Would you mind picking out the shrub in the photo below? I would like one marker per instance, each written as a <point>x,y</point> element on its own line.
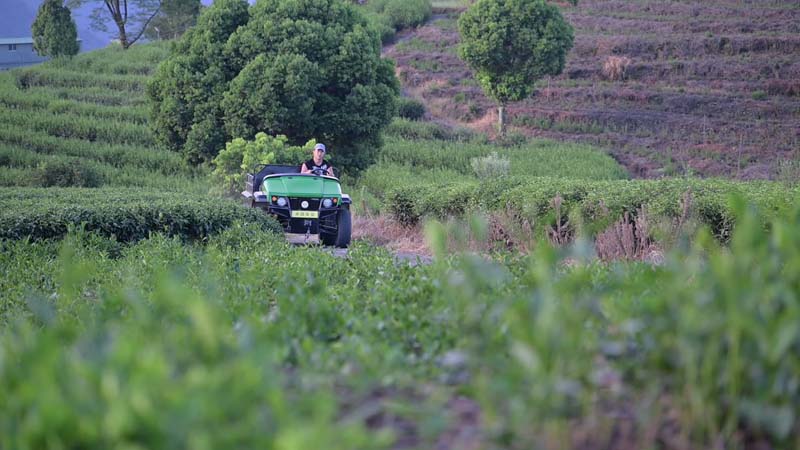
<point>316,71</point>
<point>54,32</point>
<point>759,95</point>
<point>407,13</point>
<point>596,205</point>
<point>418,130</point>
<point>381,25</point>
<point>491,166</point>
<point>67,173</point>
<point>411,109</point>
<point>615,68</point>
<point>128,215</point>
<point>241,156</point>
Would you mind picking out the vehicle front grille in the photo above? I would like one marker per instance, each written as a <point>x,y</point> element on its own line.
<point>313,203</point>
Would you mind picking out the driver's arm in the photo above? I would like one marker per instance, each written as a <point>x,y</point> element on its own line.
<point>330,171</point>
<point>304,169</point>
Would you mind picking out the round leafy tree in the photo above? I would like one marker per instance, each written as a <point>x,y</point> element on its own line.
<point>306,69</point>
<point>53,30</point>
<point>510,44</point>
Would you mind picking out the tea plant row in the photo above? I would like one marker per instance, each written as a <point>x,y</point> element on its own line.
<point>83,122</point>
<point>590,205</point>
<point>125,214</point>
<point>251,342</point>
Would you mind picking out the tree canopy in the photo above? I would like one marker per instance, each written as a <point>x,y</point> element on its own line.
<point>130,17</point>
<point>53,30</point>
<point>306,69</point>
<point>173,19</point>
<point>510,44</point>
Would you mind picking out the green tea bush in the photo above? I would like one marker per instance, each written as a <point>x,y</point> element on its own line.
<point>381,25</point>
<point>596,204</point>
<point>128,215</point>
<point>416,130</point>
<point>411,109</point>
<point>254,335</point>
<point>722,338</point>
<point>535,159</point>
<point>79,127</point>
<point>60,173</point>
<point>407,13</point>
<point>401,14</point>
<point>59,77</point>
<point>490,166</point>
<point>116,155</point>
<point>89,111</point>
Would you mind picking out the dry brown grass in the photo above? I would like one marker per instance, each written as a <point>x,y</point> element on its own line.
<point>615,68</point>
<point>386,232</point>
<point>627,239</point>
<point>562,233</point>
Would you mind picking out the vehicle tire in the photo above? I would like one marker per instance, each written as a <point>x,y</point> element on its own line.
<point>344,226</point>
<point>327,239</point>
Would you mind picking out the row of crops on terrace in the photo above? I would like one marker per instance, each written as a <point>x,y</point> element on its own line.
<point>84,122</point>
<point>425,172</point>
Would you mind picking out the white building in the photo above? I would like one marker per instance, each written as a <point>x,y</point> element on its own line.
<point>18,52</point>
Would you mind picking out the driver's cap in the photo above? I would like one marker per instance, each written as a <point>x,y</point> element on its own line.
<point>320,147</point>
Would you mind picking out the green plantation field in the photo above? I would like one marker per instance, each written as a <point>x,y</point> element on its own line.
<point>84,122</point>
<point>139,308</point>
<point>125,215</point>
<point>244,341</point>
<point>427,172</point>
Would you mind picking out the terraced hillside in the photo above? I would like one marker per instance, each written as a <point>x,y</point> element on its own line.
<point>83,122</point>
<point>670,87</point>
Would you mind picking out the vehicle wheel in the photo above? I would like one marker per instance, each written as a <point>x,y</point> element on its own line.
<point>327,239</point>
<point>344,225</point>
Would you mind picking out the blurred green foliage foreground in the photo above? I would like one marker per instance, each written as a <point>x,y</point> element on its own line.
<point>242,341</point>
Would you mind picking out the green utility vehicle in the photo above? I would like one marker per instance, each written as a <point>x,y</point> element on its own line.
<point>306,204</point>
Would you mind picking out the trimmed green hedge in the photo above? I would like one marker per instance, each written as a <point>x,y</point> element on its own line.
<point>594,204</point>
<point>126,214</point>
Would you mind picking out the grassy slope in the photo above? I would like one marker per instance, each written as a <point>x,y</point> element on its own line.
<point>89,112</point>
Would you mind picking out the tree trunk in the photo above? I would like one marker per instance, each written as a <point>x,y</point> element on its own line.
<point>123,36</point>
<point>501,120</point>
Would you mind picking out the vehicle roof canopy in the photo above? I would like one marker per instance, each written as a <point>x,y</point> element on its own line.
<point>273,169</point>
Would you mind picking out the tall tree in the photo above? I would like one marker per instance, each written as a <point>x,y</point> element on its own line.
<point>510,44</point>
<point>53,30</point>
<point>173,19</point>
<point>131,17</point>
<point>300,68</point>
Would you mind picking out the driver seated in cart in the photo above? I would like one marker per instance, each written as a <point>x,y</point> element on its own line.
<point>317,165</point>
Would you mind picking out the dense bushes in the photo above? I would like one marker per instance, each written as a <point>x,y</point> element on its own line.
<point>539,158</point>
<point>594,205</point>
<point>412,129</point>
<point>67,173</point>
<point>84,121</point>
<point>390,16</point>
<point>128,215</point>
<point>411,109</point>
<point>245,341</point>
<point>314,72</point>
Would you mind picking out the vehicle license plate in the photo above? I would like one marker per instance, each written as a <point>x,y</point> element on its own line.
<point>305,214</point>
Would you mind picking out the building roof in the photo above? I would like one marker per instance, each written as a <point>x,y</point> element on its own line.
<point>19,40</point>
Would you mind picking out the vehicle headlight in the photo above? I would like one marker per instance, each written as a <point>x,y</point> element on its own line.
<point>327,203</point>
<point>281,201</point>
